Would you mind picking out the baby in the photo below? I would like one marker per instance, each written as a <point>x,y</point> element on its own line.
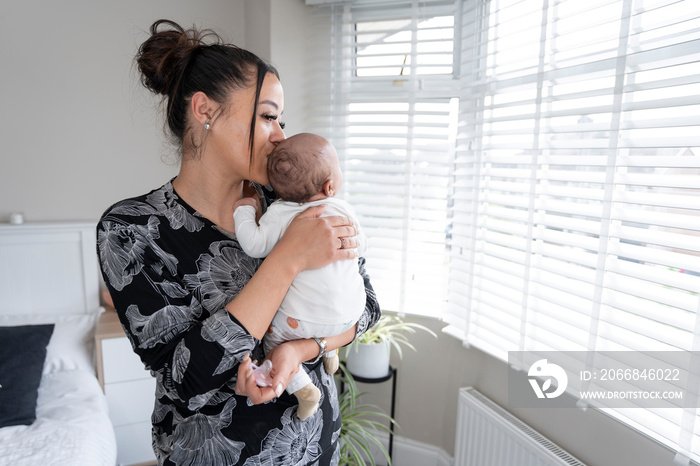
<point>304,171</point>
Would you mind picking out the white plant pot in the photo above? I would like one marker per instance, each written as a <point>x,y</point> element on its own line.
<point>370,361</point>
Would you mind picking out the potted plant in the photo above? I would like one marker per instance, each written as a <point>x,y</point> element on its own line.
<point>368,356</point>
<point>360,425</point>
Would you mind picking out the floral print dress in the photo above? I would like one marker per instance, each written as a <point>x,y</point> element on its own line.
<point>170,273</point>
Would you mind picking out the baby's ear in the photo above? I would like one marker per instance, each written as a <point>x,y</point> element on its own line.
<point>328,188</point>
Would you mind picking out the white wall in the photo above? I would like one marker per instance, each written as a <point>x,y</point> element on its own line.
<point>280,36</point>
<point>290,36</point>
<point>77,130</point>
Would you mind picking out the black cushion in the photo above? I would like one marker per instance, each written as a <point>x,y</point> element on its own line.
<point>22,354</point>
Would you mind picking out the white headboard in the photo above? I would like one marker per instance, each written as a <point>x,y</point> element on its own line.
<point>48,268</point>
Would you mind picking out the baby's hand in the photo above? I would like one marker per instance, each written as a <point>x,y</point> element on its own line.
<point>251,201</point>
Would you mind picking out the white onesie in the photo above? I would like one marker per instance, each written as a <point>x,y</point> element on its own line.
<point>319,303</point>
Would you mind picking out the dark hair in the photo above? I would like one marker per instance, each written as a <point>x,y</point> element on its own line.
<point>296,178</point>
<point>176,63</point>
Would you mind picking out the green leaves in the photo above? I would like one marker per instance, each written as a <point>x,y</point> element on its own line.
<point>360,425</point>
<point>361,422</point>
<point>392,329</point>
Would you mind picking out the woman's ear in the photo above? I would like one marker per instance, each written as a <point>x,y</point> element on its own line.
<point>202,108</point>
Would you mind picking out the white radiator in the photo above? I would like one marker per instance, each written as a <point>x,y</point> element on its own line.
<point>488,435</point>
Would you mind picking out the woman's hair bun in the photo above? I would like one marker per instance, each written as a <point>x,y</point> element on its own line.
<point>163,57</point>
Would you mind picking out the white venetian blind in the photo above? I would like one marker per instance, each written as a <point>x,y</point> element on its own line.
<point>577,183</point>
<point>388,104</point>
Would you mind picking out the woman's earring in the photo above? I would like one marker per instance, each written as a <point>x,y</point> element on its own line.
<point>207,126</point>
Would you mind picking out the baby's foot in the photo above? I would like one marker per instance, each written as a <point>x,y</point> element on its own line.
<point>331,362</point>
<point>308,398</point>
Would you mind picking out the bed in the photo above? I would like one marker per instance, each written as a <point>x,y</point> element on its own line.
<point>52,408</point>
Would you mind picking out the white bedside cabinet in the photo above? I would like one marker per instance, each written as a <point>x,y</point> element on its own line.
<point>130,391</point>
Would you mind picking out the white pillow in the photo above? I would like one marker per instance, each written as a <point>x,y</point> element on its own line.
<point>72,345</point>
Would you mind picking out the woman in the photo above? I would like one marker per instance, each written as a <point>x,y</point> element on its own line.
<point>193,305</point>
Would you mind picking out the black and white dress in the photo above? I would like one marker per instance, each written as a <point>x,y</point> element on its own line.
<point>170,273</point>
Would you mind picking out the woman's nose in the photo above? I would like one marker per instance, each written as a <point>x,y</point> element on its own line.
<point>277,135</point>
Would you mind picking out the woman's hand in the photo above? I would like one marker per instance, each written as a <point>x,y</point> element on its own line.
<point>285,359</point>
<point>312,241</point>
<point>247,386</point>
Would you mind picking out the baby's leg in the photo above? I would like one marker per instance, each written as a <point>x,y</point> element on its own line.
<point>331,362</point>
<point>308,395</point>
<point>301,386</point>
<point>308,398</point>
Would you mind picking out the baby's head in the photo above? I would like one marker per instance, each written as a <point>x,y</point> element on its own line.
<point>304,168</point>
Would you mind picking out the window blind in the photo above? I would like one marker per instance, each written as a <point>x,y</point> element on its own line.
<point>533,164</point>
<point>576,198</point>
<point>388,103</point>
